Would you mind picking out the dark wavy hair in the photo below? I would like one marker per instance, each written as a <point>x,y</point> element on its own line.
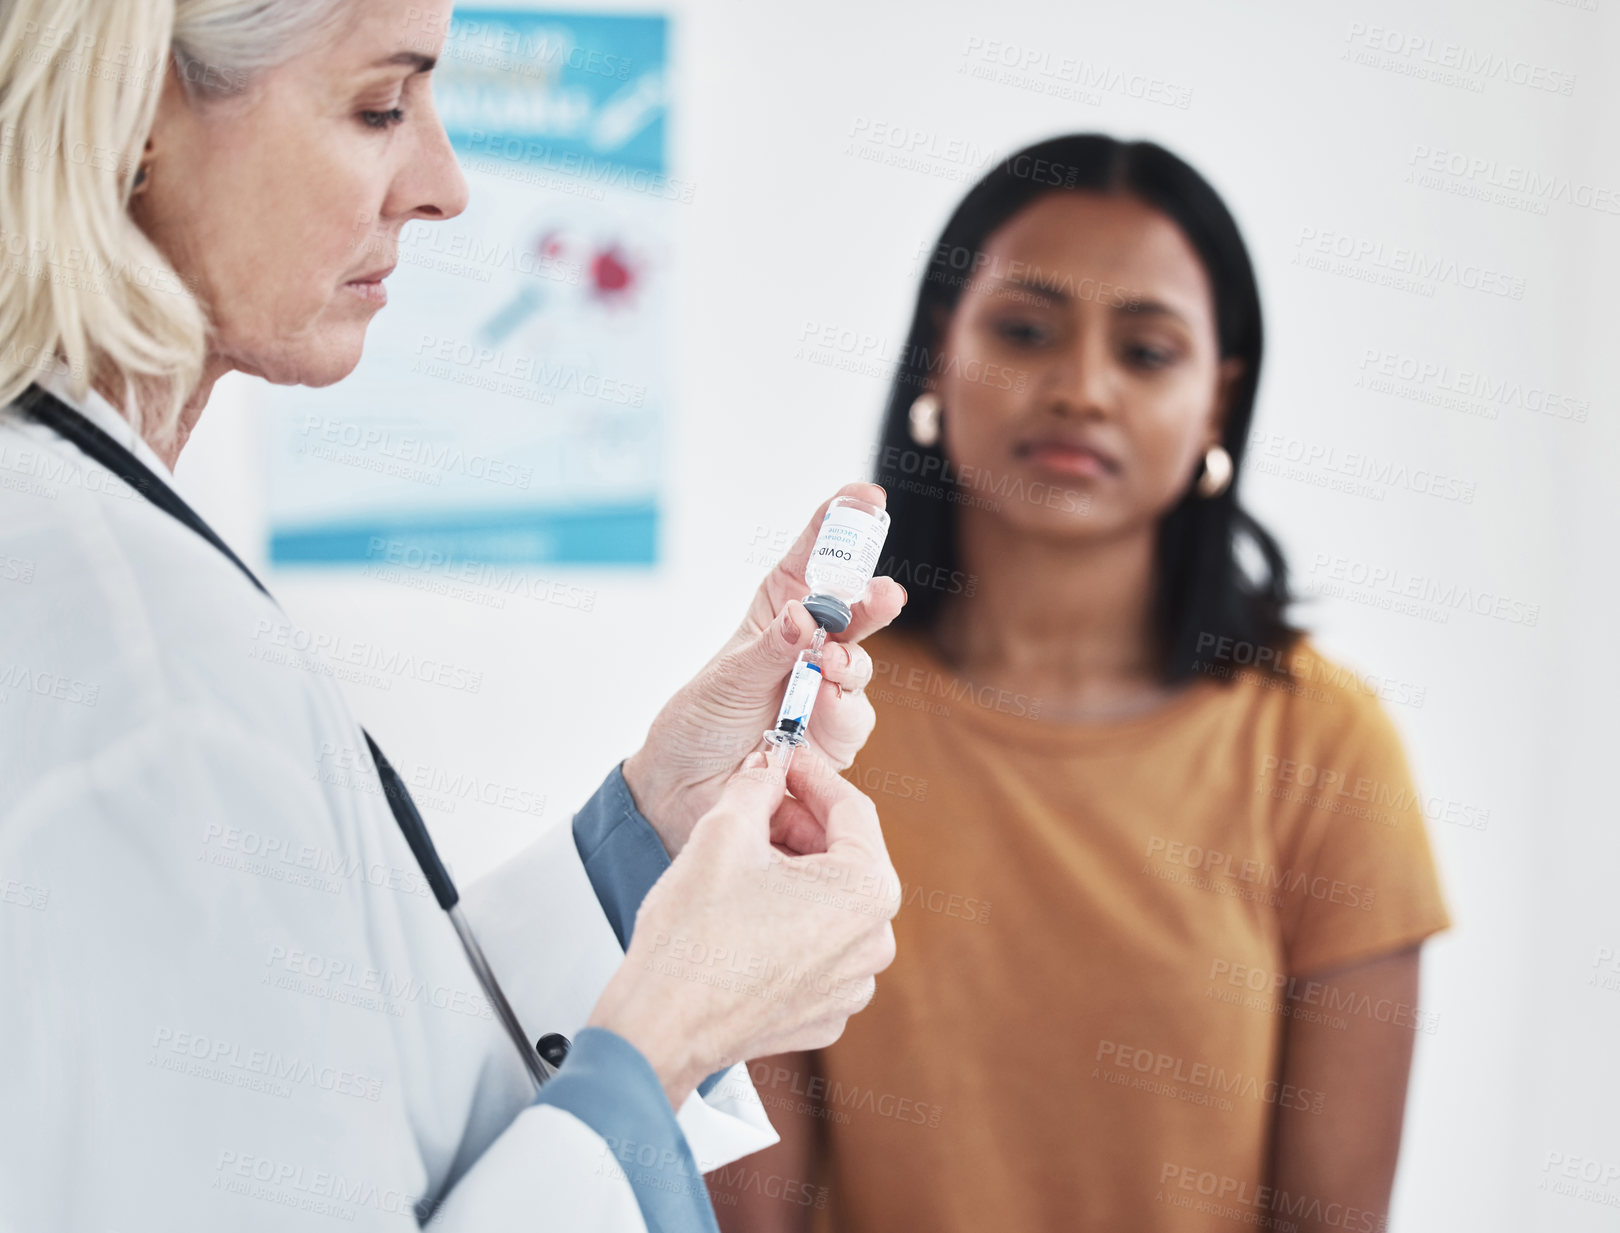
<point>1205,590</point>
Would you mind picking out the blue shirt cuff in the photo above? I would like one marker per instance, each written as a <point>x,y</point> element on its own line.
<point>623,856</point>
<point>607,1084</point>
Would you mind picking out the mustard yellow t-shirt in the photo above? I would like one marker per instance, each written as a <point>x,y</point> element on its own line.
<point>1099,925</point>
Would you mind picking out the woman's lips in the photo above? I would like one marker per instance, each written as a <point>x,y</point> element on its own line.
<point>1072,460</point>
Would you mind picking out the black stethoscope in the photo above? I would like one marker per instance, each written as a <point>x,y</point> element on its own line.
<point>542,1059</point>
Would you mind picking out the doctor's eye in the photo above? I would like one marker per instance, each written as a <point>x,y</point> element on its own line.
<point>383,119</point>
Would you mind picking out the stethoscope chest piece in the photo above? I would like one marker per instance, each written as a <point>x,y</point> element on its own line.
<point>553,1049</point>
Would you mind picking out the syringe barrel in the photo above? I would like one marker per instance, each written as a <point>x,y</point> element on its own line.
<point>799,699</point>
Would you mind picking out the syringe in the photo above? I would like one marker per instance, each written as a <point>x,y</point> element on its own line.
<point>841,563</point>
<point>793,719</point>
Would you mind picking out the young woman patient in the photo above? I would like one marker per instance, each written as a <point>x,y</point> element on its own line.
<point>1165,873</point>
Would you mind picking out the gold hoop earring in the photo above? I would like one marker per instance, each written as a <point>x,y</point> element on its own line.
<point>924,419</point>
<point>1217,474</point>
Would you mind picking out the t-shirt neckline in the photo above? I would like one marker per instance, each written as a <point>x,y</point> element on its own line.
<point>1024,728</point>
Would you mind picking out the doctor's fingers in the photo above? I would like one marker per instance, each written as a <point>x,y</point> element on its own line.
<point>882,602</point>
<point>874,952</point>
<point>846,665</point>
<point>813,1013</point>
<point>842,726</point>
<point>747,802</point>
<point>826,1028</point>
<point>845,812</point>
<point>797,830</point>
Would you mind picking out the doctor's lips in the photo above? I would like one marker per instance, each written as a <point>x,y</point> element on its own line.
<point>1068,454</point>
<point>369,286</point>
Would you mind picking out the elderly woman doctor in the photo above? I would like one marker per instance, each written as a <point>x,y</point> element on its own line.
<point>195,186</point>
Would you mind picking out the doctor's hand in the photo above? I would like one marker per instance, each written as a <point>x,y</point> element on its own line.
<point>740,950</point>
<point>704,730</point>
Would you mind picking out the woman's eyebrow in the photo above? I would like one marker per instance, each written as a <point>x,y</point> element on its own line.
<point>1150,308</point>
<point>1020,286</point>
<point>1060,292</point>
<point>423,63</point>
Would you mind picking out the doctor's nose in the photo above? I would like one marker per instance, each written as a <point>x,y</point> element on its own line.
<point>432,185</point>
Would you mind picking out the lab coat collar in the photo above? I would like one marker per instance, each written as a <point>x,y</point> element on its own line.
<point>104,416</point>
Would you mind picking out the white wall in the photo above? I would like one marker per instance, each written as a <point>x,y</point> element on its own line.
<point>798,219</point>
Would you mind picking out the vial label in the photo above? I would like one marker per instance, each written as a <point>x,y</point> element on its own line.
<point>846,553</point>
<point>802,688</point>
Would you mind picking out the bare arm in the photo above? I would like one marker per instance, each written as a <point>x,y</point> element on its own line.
<point>774,1191</point>
<point>1333,1169</point>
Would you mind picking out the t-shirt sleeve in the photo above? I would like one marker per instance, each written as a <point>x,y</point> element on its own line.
<point>1359,874</point>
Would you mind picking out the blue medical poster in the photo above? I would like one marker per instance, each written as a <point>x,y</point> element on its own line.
<point>510,402</point>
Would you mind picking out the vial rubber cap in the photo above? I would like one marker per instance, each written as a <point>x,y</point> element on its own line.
<point>831,613</point>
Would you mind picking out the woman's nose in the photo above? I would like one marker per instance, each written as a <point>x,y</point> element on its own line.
<point>1080,383</point>
<point>448,191</point>
<point>432,185</point>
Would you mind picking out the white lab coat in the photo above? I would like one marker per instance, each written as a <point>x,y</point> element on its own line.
<point>227,999</point>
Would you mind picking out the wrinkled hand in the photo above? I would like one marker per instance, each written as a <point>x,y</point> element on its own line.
<point>741,951</point>
<point>704,731</point>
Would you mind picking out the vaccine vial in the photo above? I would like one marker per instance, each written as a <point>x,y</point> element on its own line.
<point>843,560</point>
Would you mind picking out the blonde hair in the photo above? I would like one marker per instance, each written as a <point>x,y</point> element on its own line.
<point>80,283</point>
